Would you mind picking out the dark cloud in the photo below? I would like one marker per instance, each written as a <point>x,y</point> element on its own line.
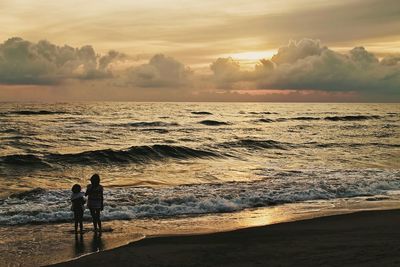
<point>306,65</point>
<point>24,62</point>
<point>161,71</point>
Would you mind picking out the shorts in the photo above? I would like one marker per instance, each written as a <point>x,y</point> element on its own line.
<point>78,215</point>
<point>94,203</point>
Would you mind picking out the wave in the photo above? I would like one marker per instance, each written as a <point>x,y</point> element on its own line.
<point>305,118</point>
<point>36,112</point>
<point>263,112</point>
<point>29,194</point>
<point>135,154</point>
<point>386,145</point>
<point>352,118</point>
<point>156,130</point>
<point>25,160</point>
<point>44,206</point>
<point>9,131</point>
<point>201,113</point>
<point>256,144</point>
<point>266,120</point>
<point>152,124</point>
<point>213,122</point>
<point>330,118</point>
<point>353,145</point>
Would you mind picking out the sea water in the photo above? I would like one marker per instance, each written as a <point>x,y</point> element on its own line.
<point>165,161</point>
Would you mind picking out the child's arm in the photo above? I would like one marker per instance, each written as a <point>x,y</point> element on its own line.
<point>87,190</point>
<point>102,198</point>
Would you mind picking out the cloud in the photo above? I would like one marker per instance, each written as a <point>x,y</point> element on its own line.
<point>306,65</point>
<point>161,71</point>
<point>303,65</point>
<point>109,58</point>
<point>226,71</point>
<point>391,60</point>
<point>298,50</point>
<point>24,62</point>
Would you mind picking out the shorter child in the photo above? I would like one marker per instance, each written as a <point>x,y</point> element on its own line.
<point>78,202</point>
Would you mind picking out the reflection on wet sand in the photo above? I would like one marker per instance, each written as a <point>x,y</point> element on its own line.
<point>79,245</point>
<point>96,244</point>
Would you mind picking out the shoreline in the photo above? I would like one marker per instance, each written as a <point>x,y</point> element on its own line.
<point>368,238</point>
<point>39,245</point>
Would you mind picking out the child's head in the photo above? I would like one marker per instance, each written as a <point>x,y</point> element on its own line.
<point>95,179</point>
<point>76,188</point>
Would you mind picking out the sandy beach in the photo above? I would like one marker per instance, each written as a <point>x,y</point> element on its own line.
<point>369,238</point>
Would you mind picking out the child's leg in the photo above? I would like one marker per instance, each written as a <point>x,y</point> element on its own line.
<point>98,220</point>
<point>93,214</point>
<point>81,221</point>
<point>76,221</point>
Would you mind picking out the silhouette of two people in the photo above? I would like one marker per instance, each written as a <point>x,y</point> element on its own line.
<point>95,203</point>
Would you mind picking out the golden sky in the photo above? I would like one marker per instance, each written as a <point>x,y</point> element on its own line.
<point>195,34</point>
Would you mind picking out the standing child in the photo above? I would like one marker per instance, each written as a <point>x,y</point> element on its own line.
<point>78,202</point>
<point>95,200</point>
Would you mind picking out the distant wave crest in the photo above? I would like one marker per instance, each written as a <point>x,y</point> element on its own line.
<point>256,144</point>
<point>24,160</point>
<point>265,120</point>
<point>352,118</point>
<point>213,122</point>
<point>201,113</point>
<point>152,124</point>
<point>36,112</point>
<point>135,154</point>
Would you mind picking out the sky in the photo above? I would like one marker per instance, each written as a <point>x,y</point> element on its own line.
<point>186,50</point>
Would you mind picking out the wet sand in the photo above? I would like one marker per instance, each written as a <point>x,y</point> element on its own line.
<point>369,238</point>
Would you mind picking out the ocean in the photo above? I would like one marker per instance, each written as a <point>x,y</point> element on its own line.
<point>182,161</point>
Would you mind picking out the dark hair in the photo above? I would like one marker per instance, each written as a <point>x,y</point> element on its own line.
<point>95,179</point>
<point>76,188</point>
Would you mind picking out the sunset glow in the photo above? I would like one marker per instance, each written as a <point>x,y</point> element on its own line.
<point>126,46</point>
<point>253,55</point>
<point>128,129</point>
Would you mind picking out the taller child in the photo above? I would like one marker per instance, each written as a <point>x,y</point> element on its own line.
<point>94,192</point>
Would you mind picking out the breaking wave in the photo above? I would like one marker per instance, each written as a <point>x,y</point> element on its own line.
<point>43,206</point>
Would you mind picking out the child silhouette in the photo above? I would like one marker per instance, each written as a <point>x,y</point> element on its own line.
<point>95,200</point>
<point>78,202</point>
